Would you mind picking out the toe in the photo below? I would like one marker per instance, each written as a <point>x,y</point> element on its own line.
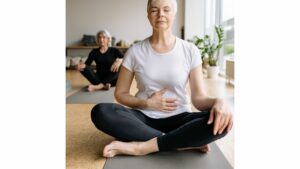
<point>205,149</point>
<point>106,150</point>
<point>109,154</point>
<point>208,148</point>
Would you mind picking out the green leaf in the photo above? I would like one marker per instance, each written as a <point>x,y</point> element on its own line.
<point>208,46</point>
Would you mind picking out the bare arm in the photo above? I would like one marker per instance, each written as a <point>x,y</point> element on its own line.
<point>122,90</point>
<point>199,97</point>
<point>120,60</point>
<point>116,65</point>
<point>220,114</point>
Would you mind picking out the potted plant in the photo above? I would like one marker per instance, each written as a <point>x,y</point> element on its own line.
<point>209,49</point>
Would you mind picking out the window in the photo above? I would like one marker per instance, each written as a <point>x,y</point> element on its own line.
<point>227,10</point>
<point>210,15</point>
<point>221,12</point>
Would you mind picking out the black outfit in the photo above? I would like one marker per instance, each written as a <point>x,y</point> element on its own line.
<point>180,131</point>
<point>103,61</point>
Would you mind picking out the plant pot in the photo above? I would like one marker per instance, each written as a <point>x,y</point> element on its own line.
<point>213,72</point>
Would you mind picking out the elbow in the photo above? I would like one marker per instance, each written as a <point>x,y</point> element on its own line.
<point>118,97</point>
<point>199,102</point>
<point>195,100</point>
<point>196,105</point>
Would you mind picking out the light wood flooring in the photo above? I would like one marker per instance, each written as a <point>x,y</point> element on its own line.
<point>84,143</point>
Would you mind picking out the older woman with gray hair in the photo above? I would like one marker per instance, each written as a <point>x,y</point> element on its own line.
<point>108,61</point>
<point>159,117</point>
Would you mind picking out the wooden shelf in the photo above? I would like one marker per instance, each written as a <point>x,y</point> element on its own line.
<point>91,47</point>
<point>87,49</point>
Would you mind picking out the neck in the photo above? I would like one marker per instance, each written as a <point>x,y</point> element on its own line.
<point>103,48</point>
<point>163,41</point>
<point>162,37</point>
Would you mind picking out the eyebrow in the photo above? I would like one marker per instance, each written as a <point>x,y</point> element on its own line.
<point>165,7</point>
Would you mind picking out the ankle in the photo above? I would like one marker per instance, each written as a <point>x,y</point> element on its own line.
<point>100,86</point>
<point>147,147</point>
<point>141,148</point>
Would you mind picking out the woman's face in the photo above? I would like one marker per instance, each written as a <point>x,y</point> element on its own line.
<point>102,40</point>
<point>161,15</point>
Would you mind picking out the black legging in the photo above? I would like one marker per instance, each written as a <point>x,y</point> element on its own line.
<point>179,131</point>
<point>99,77</point>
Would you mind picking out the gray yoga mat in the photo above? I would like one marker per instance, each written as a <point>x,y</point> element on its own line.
<point>85,97</point>
<point>188,159</point>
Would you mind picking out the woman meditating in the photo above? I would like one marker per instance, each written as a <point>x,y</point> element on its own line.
<point>108,61</point>
<point>159,117</point>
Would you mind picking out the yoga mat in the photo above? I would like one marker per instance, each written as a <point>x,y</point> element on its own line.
<point>68,86</point>
<point>191,159</point>
<point>99,96</point>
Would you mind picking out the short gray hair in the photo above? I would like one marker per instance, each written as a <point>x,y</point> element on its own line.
<point>174,3</point>
<point>105,33</point>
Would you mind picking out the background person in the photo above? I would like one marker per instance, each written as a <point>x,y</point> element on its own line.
<point>108,61</point>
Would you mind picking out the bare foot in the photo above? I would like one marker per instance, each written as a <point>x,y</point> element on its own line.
<point>107,86</point>
<point>92,87</point>
<point>203,149</point>
<point>130,148</point>
<point>118,147</point>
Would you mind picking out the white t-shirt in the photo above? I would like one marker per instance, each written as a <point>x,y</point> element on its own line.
<point>155,71</point>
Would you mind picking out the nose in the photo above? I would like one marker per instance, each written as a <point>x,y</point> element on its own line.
<point>161,13</point>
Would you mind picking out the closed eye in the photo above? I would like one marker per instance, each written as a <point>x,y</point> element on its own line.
<point>153,10</point>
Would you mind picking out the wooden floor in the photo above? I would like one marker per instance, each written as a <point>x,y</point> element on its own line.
<point>84,143</point>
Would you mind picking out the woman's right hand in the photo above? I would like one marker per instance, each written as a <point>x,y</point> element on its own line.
<point>156,102</point>
<point>80,66</point>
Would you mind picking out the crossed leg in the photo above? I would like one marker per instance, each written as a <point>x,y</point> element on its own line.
<point>140,138</point>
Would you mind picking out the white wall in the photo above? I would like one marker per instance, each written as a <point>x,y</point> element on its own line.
<point>194,19</point>
<point>125,19</point>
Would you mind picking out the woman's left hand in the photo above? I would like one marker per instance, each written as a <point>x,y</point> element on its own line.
<point>221,115</point>
<point>115,67</point>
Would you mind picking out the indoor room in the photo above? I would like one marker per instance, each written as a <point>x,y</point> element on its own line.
<point>206,24</point>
